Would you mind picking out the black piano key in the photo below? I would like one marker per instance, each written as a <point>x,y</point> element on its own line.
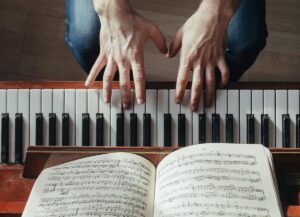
<point>99,129</point>
<point>298,130</point>
<point>215,128</point>
<point>181,130</point>
<point>85,129</point>
<point>39,129</point>
<point>120,130</point>
<point>65,129</point>
<point>52,129</point>
<point>286,143</point>
<point>229,128</point>
<point>167,130</point>
<point>18,138</point>
<point>201,128</point>
<point>133,129</point>
<point>147,130</point>
<point>265,130</point>
<point>4,137</point>
<point>250,129</point>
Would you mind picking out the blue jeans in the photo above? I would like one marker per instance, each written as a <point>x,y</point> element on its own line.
<point>246,36</point>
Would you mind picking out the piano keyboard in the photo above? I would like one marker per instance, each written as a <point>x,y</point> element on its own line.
<point>47,114</point>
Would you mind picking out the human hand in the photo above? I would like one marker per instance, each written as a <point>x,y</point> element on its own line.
<point>202,40</point>
<point>122,37</point>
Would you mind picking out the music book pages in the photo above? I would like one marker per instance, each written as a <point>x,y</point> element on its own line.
<point>217,180</point>
<point>116,184</point>
<point>210,180</point>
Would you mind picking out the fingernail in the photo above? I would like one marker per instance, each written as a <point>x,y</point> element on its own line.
<point>125,105</point>
<point>177,100</point>
<point>193,108</point>
<point>106,99</point>
<point>87,83</point>
<point>140,101</point>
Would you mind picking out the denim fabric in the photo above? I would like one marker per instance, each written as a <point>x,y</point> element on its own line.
<point>246,36</point>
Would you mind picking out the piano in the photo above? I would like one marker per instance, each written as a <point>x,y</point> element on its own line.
<point>56,120</point>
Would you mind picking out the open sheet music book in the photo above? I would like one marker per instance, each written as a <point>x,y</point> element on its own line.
<point>211,180</point>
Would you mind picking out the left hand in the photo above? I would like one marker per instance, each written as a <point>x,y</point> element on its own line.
<point>202,40</point>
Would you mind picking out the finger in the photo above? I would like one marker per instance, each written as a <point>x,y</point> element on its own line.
<point>108,76</point>
<point>210,84</point>
<point>97,67</point>
<point>225,74</point>
<point>125,85</point>
<point>197,87</point>
<point>182,80</point>
<point>176,43</point>
<point>158,39</point>
<point>138,71</point>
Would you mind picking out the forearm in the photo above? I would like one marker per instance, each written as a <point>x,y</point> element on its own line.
<point>224,8</point>
<point>111,8</point>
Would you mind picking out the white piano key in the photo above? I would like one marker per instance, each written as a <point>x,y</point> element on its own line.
<point>70,108</point>
<point>245,108</point>
<point>81,107</point>
<point>151,102</point>
<point>269,109</point>
<point>12,109</point>
<point>139,109</point>
<point>281,108</point>
<point>47,105</point>
<point>233,108</point>
<point>174,111</point>
<point>185,109</point>
<point>104,108</point>
<point>162,109</point>
<point>58,109</point>
<point>93,108</point>
<point>127,113</point>
<point>221,109</point>
<point>195,121</point>
<point>23,107</point>
<point>116,107</point>
<point>209,112</point>
<point>2,110</point>
<point>293,110</point>
<point>35,107</point>
<point>257,110</point>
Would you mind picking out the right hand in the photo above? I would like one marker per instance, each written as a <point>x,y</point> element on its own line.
<point>122,37</point>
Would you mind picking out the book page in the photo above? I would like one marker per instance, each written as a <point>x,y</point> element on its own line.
<point>117,184</point>
<point>228,180</point>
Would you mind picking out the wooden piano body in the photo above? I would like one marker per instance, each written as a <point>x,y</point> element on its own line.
<point>16,180</point>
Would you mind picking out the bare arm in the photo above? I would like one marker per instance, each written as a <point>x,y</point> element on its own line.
<point>202,40</point>
<point>122,37</point>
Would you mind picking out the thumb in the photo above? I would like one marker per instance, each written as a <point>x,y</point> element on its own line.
<point>176,43</point>
<point>158,39</point>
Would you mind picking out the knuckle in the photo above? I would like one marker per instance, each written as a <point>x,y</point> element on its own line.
<point>210,81</point>
<point>197,83</point>
<point>107,78</point>
<point>135,55</point>
<point>181,82</point>
<point>139,78</point>
<point>123,86</point>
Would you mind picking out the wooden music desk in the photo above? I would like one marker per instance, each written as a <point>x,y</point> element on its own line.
<point>16,180</point>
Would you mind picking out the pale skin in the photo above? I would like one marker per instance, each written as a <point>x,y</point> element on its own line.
<point>202,40</point>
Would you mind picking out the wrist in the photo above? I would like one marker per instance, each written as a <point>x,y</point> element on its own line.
<point>112,8</point>
<point>224,8</point>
